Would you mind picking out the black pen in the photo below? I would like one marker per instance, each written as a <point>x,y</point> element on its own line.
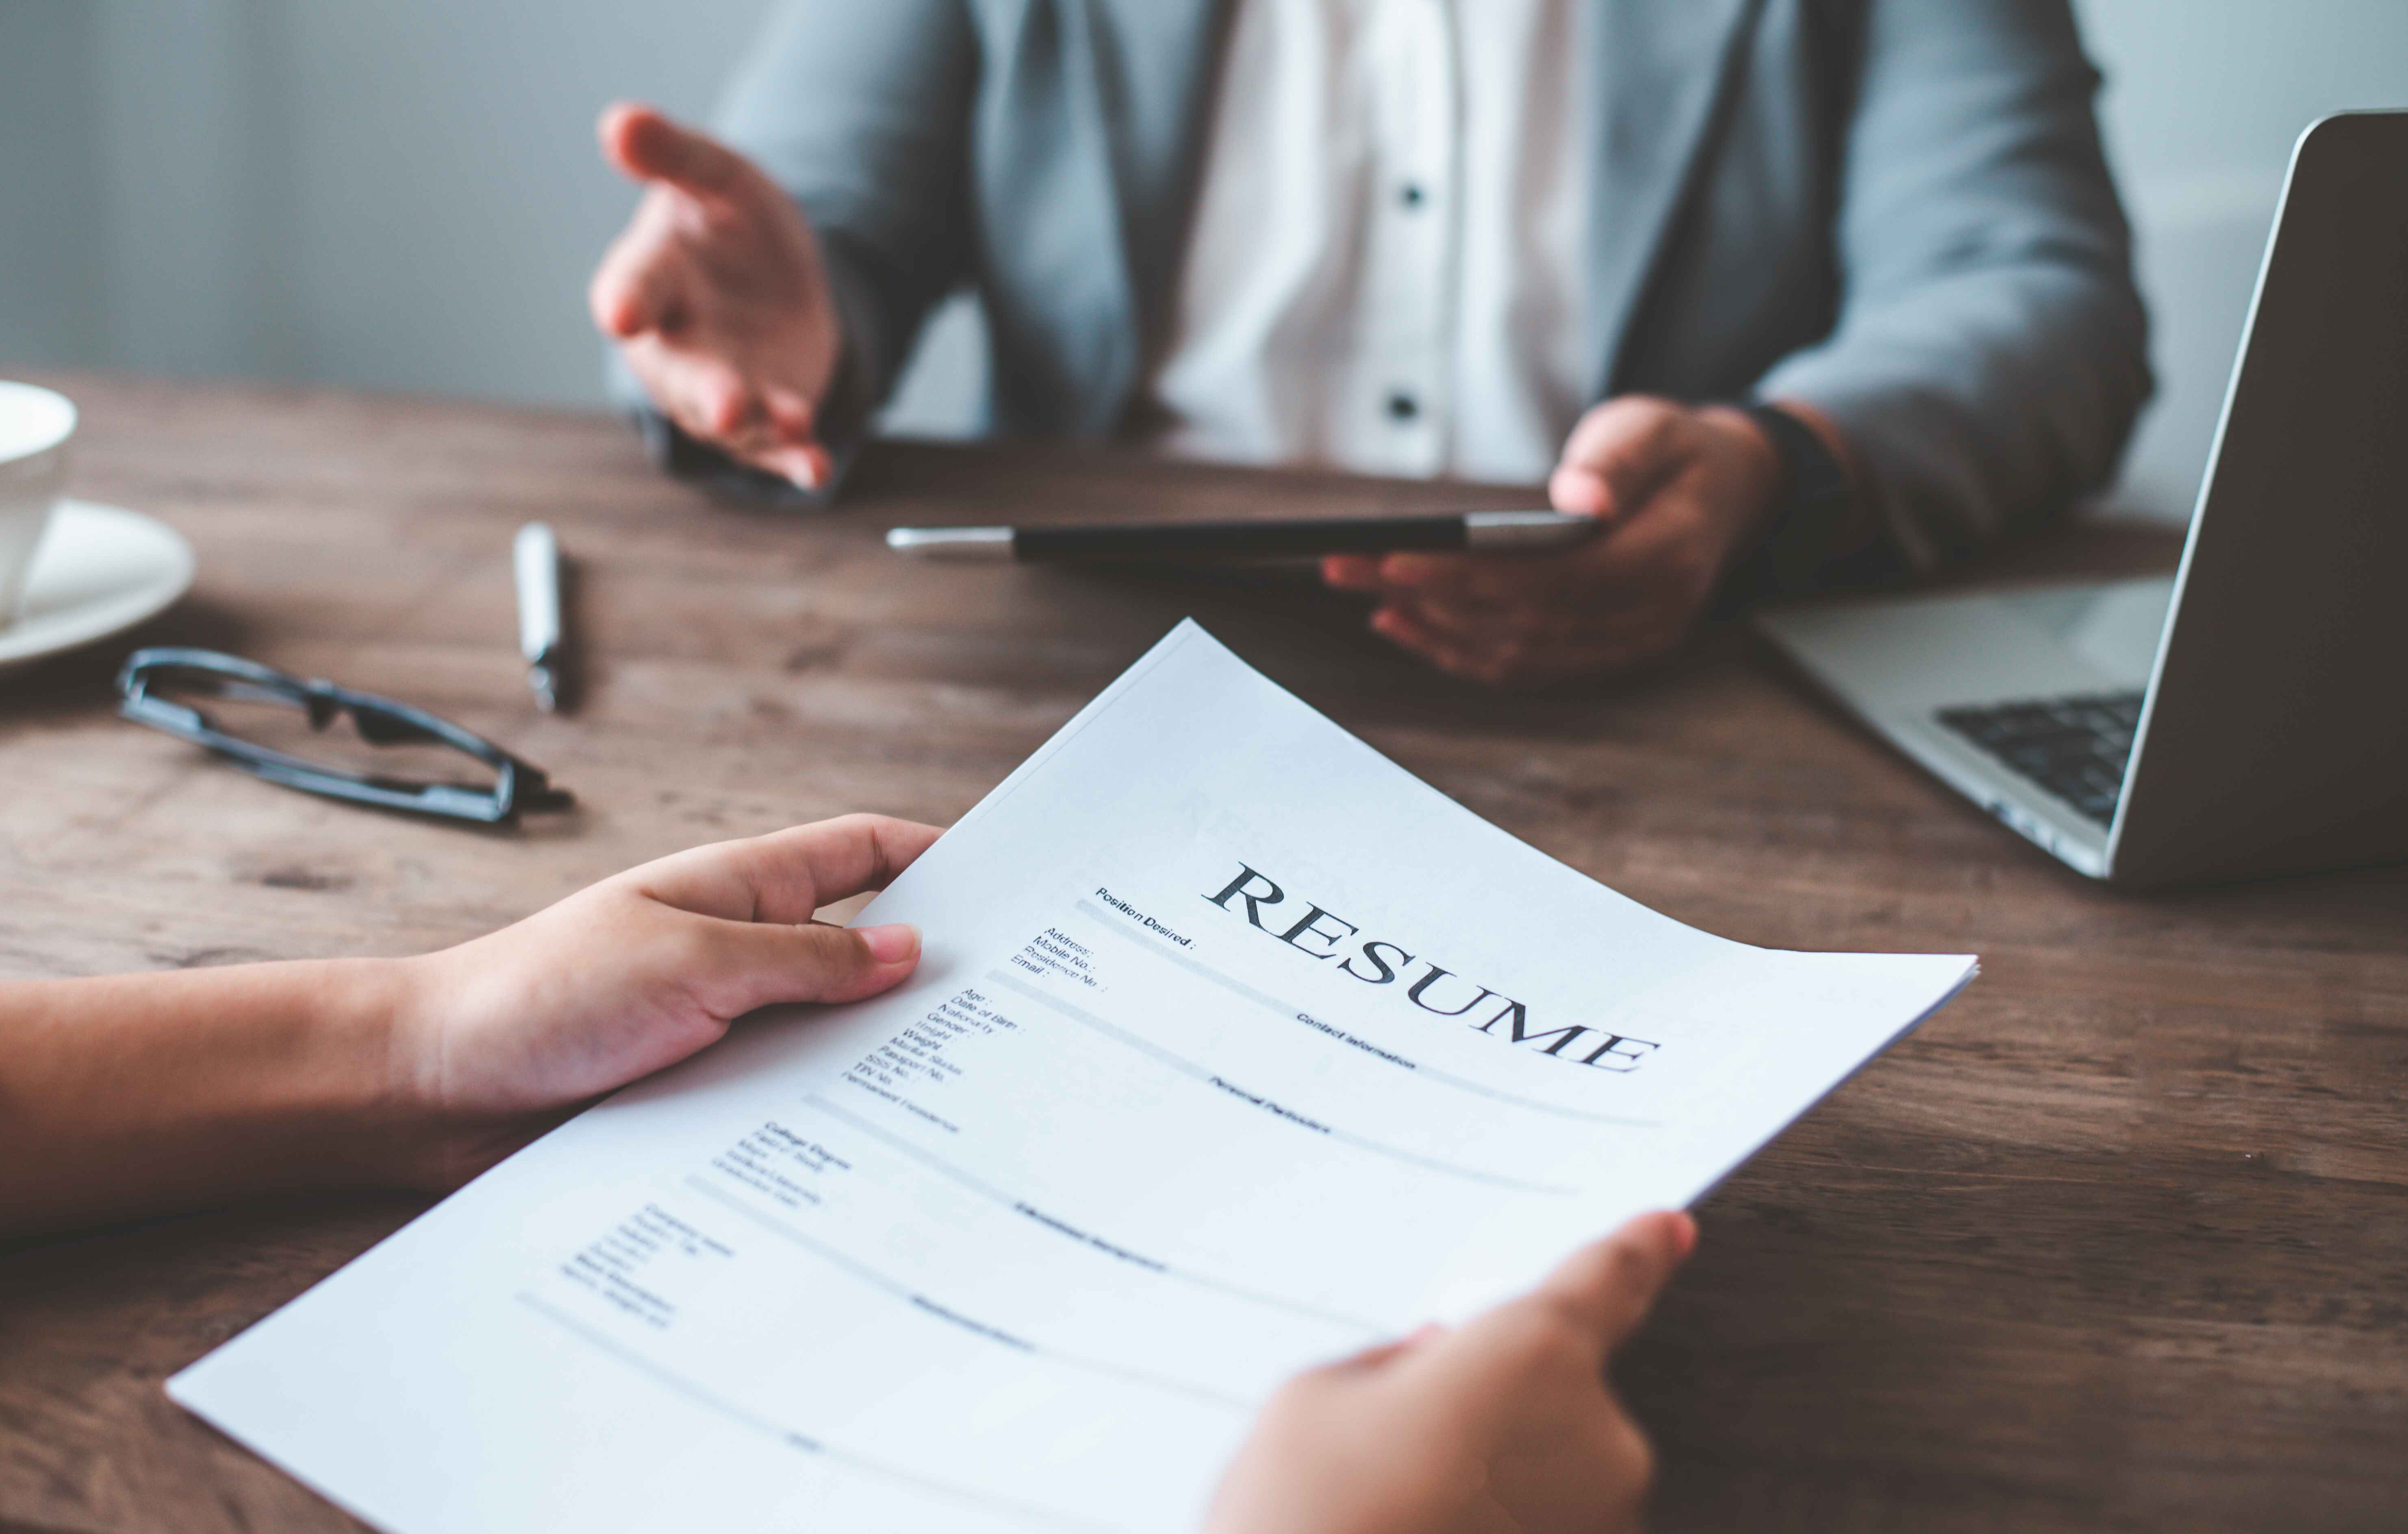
<point>1499,531</point>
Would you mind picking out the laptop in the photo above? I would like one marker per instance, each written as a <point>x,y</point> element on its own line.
<point>2249,715</point>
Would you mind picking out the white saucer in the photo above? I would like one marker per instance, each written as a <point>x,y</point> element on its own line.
<point>99,571</point>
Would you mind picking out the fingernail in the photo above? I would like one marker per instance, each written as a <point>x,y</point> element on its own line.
<point>1686,1236</point>
<point>890,944</point>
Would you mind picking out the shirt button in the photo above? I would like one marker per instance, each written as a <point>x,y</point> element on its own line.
<point>1410,195</point>
<point>1403,407</point>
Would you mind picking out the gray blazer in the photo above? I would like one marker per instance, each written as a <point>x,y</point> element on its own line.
<point>1897,210</point>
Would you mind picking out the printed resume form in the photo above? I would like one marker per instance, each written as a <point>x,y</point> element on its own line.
<point>1234,1049</point>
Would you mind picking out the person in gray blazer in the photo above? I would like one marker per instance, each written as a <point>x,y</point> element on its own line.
<point>1793,293</point>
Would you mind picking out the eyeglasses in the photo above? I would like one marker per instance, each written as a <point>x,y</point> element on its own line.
<point>154,681</point>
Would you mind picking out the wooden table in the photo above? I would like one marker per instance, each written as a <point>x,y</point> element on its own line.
<point>2120,1240</point>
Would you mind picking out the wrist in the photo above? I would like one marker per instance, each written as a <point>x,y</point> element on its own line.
<point>364,1021</point>
<point>1819,511</point>
<point>1754,467</point>
<point>379,1024</point>
<point>427,1139</point>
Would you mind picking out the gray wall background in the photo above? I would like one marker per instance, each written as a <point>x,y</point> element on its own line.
<point>406,197</point>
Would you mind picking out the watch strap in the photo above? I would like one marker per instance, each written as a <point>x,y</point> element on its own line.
<point>1812,505</point>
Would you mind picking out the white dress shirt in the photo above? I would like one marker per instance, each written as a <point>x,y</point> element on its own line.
<point>1384,270</point>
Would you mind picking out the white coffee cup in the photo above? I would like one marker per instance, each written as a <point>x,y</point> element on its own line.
<point>35,426</point>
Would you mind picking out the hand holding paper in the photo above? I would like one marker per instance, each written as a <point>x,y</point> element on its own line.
<point>639,971</point>
<point>1504,1424</point>
<point>129,1094</point>
<point>1233,1050</point>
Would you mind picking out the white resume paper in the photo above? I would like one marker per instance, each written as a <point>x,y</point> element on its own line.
<point>1234,1049</point>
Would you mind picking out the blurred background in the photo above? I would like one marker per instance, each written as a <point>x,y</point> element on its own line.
<point>406,197</point>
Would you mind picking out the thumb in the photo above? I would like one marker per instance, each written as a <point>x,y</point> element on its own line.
<point>1617,455</point>
<point>1379,1355</point>
<point>634,289</point>
<point>762,964</point>
<point>1609,1286</point>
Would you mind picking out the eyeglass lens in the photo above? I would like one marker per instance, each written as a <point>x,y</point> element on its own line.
<point>363,739</point>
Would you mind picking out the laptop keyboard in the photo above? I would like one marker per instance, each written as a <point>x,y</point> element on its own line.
<point>2073,747</point>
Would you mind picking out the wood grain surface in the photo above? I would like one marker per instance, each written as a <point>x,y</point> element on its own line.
<point>2118,1241</point>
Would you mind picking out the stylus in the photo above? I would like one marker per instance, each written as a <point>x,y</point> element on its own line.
<point>1267,539</point>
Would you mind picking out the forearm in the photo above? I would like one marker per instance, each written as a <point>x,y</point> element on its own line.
<point>139,1093</point>
<point>1990,352</point>
<point>130,1093</point>
<point>1986,407</point>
